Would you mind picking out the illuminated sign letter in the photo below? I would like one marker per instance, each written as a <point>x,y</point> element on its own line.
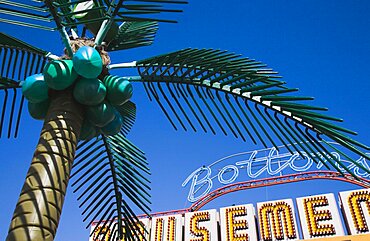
<point>201,233</point>
<point>319,216</point>
<point>167,228</point>
<point>101,234</point>
<point>158,236</point>
<point>238,223</point>
<point>142,233</point>
<point>314,216</point>
<point>356,206</point>
<point>109,232</point>
<point>277,221</point>
<point>201,226</point>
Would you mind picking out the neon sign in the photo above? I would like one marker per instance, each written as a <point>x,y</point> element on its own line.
<point>255,164</point>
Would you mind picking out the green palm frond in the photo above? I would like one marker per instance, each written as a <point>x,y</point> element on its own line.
<point>101,18</point>
<point>45,15</point>
<point>213,90</point>
<point>133,10</point>
<point>33,14</point>
<point>133,35</point>
<point>110,177</point>
<point>128,114</point>
<point>114,12</point>
<point>19,60</point>
<point>11,41</point>
<point>15,65</point>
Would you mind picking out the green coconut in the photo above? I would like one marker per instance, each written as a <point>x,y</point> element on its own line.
<point>59,74</point>
<point>113,127</point>
<point>38,111</point>
<point>88,131</point>
<point>35,89</point>
<point>89,91</point>
<point>100,115</point>
<point>119,89</point>
<point>87,62</point>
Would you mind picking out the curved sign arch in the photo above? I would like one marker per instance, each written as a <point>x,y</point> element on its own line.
<point>246,169</point>
<point>271,181</point>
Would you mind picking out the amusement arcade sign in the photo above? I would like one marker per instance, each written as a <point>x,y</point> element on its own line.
<point>318,217</point>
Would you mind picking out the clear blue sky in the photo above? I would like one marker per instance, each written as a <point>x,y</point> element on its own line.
<point>320,47</point>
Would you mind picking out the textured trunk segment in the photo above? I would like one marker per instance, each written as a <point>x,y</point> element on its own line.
<point>36,216</point>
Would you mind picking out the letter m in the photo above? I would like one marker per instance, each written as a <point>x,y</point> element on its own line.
<point>276,221</point>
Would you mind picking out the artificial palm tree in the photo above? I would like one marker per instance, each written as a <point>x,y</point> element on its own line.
<point>206,89</point>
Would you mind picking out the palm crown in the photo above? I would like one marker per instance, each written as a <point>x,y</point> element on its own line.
<point>206,89</point>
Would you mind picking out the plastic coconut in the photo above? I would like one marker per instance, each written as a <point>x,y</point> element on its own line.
<point>113,127</point>
<point>35,89</point>
<point>87,62</point>
<point>89,91</point>
<point>88,131</point>
<point>38,111</point>
<point>100,115</point>
<point>119,90</point>
<point>59,74</point>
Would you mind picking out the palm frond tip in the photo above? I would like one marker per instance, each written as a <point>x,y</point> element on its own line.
<point>128,114</point>
<point>110,178</point>
<point>133,35</point>
<point>213,90</point>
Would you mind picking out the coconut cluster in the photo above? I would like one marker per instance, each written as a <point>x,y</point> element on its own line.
<point>99,97</point>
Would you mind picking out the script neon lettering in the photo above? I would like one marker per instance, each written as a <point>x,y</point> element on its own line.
<point>197,183</point>
<point>228,168</point>
<point>274,163</point>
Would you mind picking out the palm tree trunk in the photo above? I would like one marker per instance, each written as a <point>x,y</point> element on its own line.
<point>36,216</point>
